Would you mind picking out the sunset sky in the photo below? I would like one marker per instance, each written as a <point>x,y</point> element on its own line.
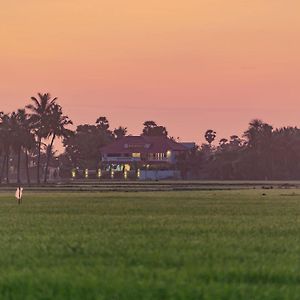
<point>189,65</point>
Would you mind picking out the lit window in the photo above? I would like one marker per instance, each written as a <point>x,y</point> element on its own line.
<point>136,155</point>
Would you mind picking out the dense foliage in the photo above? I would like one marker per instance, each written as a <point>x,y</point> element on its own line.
<point>262,153</point>
<point>24,134</point>
<point>27,138</point>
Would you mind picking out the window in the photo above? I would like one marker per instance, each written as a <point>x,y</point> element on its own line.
<point>136,155</point>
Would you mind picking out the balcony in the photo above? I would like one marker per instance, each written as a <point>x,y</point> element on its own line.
<point>120,159</point>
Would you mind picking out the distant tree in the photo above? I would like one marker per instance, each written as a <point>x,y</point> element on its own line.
<point>223,143</point>
<point>29,148</point>
<point>259,138</point>
<point>57,123</point>
<point>235,141</point>
<point>102,123</point>
<point>19,130</point>
<point>120,132</point>
<point>152,129</point>
<point>2,154</point>
<point>40,110</point>
<point>190,163</point>
<point>210,136</point>
<point>83,147</point>
<point>6,139</point>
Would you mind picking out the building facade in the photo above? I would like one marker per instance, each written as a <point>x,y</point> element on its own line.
<point>142,154</point>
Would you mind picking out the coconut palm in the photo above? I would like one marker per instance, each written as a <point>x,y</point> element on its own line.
<point>6,138</point>
<point>2,145</point>
<point>16,137</point>
<point>22,138</point>
<point>29,145</point>
<point>40,110</point>
<point>210,136</point>
<point>57,124</point>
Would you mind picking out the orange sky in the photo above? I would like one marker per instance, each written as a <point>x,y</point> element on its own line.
<point>189,65</point>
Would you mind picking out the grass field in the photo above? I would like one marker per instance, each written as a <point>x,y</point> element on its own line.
<point>160,245</point>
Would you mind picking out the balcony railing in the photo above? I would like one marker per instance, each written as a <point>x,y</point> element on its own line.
<point>121,159</point>
<point>135,159</point>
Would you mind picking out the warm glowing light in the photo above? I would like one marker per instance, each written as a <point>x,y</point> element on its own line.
<point>112,174</point>
<point>86,173</point>
<point>99,174</point>
<point>127,167</point>
<point>169,154</point>
<point>73,173</point>
<point>136,155</point>
<point>138,173</point>
<point>125,174</point>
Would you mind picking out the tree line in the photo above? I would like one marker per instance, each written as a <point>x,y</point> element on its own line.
<point>27,137</point>
<point>24,134</point>
<point>261,153</point>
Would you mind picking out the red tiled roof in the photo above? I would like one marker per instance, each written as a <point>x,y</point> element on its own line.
<point>143,144</point>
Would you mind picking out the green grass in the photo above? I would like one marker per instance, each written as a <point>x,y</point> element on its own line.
<point>162,245</point>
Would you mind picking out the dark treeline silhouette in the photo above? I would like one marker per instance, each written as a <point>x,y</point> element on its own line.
<point>24,137</point>
<point>27,137</point>
<point>262,153</point>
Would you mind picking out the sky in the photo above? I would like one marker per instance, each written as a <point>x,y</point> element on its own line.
<point>188,65</point>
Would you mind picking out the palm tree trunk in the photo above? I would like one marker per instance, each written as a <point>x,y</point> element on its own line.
<point>19,166</point>
<point>39,161</point>
<point>3,168</point>
<point>27,167</point>
<point>7,167</point>
<point>48,158</point>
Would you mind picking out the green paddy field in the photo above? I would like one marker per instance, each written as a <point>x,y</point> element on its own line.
<point>238,244</point>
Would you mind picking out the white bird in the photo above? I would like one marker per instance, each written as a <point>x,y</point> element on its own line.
<point>18,194</point>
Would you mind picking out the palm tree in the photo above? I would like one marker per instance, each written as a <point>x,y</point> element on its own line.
<point>57,123</point>
<point>3,137</point>
<point>9,132</point>
<point>22,139</point>
<point>210,136</point>
<point>29,145</point>
<point>39,115</point>
<point>16,137</point>
<point>6,138</point>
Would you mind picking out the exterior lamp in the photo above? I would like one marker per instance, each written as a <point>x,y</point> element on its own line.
<point>73,173</point>
<point>86,173</point>
<point>112,174</point>
<point>125,174</point>
<point>138,173</point>
<point>169,153</point>
<point>99,174</point>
